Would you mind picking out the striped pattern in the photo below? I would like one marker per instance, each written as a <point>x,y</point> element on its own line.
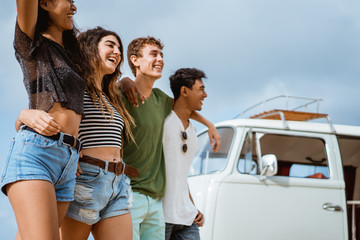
<point>97,129</point>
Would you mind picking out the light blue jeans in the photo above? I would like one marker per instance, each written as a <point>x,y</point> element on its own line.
<point>147,217</point>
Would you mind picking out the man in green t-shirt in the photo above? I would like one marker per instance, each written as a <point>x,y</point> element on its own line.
<point>146,154</point>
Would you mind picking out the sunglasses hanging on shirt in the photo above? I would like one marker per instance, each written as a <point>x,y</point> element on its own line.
<point>184,137</point>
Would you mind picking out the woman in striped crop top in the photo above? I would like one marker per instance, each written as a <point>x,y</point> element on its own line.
<point>102,193</point>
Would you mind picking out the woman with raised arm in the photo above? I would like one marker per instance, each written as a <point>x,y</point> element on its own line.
<point>39,174</point>
<point>102,193</point>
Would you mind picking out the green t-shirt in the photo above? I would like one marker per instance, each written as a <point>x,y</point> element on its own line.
<point>148,156</point>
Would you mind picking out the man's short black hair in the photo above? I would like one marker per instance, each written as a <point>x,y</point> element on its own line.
<point>184,77</point>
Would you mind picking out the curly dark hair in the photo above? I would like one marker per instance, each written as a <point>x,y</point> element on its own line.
<point>89,41</point>
<point>184,77</point>
<point>137,45</point>
<point>70,42</point>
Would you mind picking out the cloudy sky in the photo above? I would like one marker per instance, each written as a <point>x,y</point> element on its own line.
<point>250,50</point>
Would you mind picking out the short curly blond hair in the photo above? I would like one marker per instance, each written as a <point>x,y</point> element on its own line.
<point>137,45</point>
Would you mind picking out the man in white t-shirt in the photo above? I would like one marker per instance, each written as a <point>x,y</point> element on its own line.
<point>179,145</point>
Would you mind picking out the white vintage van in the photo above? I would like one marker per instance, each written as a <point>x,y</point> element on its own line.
<point>279,179</point>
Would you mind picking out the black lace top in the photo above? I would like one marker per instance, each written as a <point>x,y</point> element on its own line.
<point>49,74</point>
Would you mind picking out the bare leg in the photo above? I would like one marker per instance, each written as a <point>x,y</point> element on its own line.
<point>74,230</point>
<point>119,227</point>
<point>35,208</point>
<point>62,208</point>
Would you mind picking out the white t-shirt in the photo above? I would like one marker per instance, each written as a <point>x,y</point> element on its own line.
<point>177,206</point>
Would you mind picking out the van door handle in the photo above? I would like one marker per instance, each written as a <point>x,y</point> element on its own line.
<point>330,207</point>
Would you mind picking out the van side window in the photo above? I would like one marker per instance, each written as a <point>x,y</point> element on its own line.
<point>350,155</point>
<point>205,160</point>
<point>297,156</point>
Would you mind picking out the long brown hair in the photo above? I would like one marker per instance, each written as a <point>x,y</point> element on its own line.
<point>88,42</point>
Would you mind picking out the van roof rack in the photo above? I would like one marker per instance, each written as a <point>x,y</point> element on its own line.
<point>292,114</point>
<point>289,115</point>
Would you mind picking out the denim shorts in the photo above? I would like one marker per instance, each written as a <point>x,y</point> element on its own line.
<point>99,194</point>
<point>35,157</point>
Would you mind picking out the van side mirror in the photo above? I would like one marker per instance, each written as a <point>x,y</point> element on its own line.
<point>268,166</point>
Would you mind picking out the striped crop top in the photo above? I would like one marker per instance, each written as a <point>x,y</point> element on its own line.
<point>97,129</point>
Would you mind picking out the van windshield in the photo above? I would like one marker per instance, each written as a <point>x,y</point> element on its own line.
<point>205,160</point>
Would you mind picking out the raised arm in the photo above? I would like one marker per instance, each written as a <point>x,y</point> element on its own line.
<point>131,91</point>
<point>27,13</point>
<point>38,120</point>
<point>214,135</point>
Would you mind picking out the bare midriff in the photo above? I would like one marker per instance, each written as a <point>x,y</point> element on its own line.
<point>111,154</point>
<point>70,122</point>
<point>66,118</point>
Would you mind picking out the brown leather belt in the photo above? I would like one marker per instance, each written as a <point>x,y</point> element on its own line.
<point>116,167</point>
